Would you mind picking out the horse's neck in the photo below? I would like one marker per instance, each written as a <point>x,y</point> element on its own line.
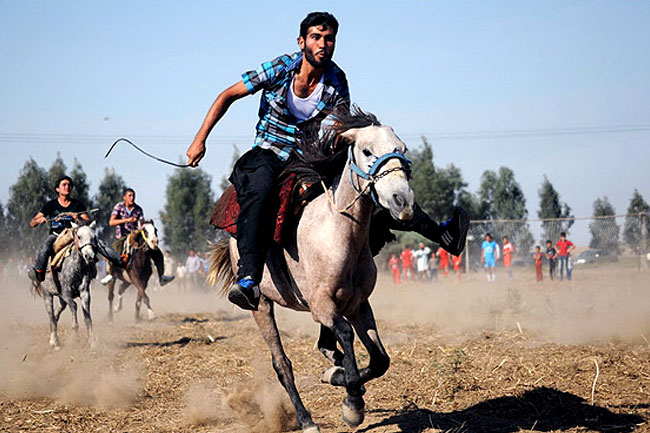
<point>345,193</point>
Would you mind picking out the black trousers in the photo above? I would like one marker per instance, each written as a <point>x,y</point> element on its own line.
<point>382,223</point>
<point>255,179</point>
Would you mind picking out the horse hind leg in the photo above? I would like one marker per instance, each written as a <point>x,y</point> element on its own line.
<point>111,296</point>
<point>120,291</point>
<point>67,298</point>
<point>265,319</point>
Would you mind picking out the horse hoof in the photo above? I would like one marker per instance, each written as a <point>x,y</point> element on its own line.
<point>353,411</point>
<point>334,376</point>
<point>311,429</point>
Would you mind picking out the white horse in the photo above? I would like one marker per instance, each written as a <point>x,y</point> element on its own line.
<point>72,280</point>
<point>327,268</point>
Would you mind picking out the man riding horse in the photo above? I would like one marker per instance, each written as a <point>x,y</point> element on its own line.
<point>60,213</point>
<point>297,90</point>
<point>125,217</point>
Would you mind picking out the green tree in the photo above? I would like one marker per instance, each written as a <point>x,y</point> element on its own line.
<point>550,206</point>
<point>26,198</point>
<point>225,183</point>
<point>604,231</point>
<point>186,216</point>
<point>57,170</point>
<point>108,195</point>
<point>81,189</point>
<point>634,222</point>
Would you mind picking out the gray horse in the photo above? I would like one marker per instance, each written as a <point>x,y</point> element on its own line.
<point>327,268</point>
<point>72,280</point>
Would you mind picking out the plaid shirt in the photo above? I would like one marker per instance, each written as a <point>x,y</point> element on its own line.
<point>120,211</point>
<point>278,129</point>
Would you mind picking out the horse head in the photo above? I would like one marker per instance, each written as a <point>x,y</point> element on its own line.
<point>377,158</point>
<point>86,241</point>
<point>150,234</point>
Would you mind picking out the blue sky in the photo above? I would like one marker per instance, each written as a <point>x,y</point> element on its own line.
<point>77,75</point>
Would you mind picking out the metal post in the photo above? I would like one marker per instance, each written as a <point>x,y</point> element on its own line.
<point>643,247</point>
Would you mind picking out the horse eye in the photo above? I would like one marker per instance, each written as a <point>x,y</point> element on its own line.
<point>366,152</point>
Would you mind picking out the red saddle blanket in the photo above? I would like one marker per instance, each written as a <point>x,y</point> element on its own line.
<point>226,211</point>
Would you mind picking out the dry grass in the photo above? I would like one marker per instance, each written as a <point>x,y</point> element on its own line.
<point>504,366</point>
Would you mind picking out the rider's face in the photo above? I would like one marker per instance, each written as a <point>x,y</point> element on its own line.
<point>129,198</point>
<point>318,45</point>
<point>64,188</point>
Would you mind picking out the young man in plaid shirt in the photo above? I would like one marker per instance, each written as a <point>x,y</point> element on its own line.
<point>293,92</point>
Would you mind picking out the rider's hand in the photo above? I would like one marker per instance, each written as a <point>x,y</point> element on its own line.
<point>196,152</point>
<point>131,219</point>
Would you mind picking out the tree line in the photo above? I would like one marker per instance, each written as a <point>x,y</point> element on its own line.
<point>190,200</point>
<point>185,217</point>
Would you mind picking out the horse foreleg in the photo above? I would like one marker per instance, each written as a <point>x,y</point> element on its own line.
<point>150,312</point>
<point>120,291</point>
<point>59,310</point>
<point>111,296</point>
<point>324,311</point>
<point>265,319</point>
<point>138,303</point>
<point>327,346</point>
<point>49,308</point>
<point>366,328</point>
<point>85,307</point>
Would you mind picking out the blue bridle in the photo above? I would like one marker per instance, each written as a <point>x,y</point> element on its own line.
<point>371,175</point>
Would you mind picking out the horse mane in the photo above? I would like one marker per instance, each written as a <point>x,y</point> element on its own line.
<point>323,157</point>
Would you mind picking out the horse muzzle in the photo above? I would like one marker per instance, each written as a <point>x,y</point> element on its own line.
<point>401,206</point>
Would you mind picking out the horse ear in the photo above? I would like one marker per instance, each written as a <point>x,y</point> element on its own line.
<point>93,224</point>
<point>74,225</point>
<point>350,135</point>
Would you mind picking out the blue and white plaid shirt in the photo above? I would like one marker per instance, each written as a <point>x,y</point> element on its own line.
<point>278,129</point>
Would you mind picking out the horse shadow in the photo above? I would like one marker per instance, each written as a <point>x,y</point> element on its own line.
<point>183,341</point>
<point>540,409</point>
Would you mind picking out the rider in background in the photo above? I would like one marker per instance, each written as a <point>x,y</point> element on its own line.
<point>73,210</point>
<point>125,217</point>
<point>297,89</point>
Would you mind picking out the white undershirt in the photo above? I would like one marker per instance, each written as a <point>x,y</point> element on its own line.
<point>303,108</point>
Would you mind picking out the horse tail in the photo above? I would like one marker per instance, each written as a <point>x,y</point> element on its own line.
<point>220,270</point>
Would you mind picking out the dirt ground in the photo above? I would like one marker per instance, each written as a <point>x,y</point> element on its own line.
<point>510,356</point>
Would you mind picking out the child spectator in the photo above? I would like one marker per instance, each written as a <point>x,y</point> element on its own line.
<point>508,249</point>
<point>457,260</point>
<point>551,256</point>
<point>421,256</point>
<point>433,266</point>
<point>407,263</point>
<point>444,261</point>
<point>394,267</point>
<point>537,256</point>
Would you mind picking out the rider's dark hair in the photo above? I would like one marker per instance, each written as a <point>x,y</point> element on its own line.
<point>128,190</point>
<point>61,179</point>
<point>318,19</point>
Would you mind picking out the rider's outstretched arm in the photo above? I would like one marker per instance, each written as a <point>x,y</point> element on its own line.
<point>196,150</point>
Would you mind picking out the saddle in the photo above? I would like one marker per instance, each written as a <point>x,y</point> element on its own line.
<point>63,246</point>
<point>293,196</point>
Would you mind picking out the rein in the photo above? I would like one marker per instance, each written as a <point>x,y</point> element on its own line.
<point>371,176</point>
<point>164,161</point>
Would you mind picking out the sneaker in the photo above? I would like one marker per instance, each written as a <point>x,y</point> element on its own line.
<point>454,231</point>
<point>245,293</point>
<point>164,279</point>
<point>107,279</point>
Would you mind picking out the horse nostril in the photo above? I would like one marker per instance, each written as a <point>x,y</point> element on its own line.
<point>399,201</point>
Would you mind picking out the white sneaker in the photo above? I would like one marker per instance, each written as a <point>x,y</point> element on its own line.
<point>107,279</point>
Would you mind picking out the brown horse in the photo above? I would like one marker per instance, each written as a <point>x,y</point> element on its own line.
<point>327,267</point>
<point>142,243</point>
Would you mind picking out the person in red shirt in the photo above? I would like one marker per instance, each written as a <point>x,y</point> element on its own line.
<point>507,249</point>
<point>564,248</point>
<point>537,256</point>
<point>394,267</point>
<point>407,263</point>
<point>444,261</point>
<point>457,260</point>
